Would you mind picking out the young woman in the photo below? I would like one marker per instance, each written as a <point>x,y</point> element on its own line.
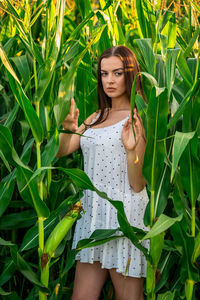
<point>113,160</point>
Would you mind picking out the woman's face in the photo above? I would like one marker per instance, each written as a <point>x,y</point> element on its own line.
<point>113,77</point>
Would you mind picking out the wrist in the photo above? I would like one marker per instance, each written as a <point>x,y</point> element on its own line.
<point>132,156</point>
<point>131,152</point>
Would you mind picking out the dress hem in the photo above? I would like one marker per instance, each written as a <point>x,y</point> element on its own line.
<point>109,268</point>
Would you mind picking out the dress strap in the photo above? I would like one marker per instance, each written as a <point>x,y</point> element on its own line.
<point>95,119</point>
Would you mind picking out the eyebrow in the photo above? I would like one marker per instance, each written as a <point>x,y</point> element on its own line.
<point>114,70</point>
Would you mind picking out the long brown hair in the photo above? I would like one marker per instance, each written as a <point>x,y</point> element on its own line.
<point>131,68</point>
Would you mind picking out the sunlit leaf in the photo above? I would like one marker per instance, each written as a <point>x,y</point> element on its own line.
<point>181,140</point>
<point>30,193</point>
<point>162,224</point>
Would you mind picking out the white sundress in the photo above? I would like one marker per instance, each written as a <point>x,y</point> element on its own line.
<point>106,165</point>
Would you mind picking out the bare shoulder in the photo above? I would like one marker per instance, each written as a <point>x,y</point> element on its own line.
<point>92,117</point>
<point>88,121</point>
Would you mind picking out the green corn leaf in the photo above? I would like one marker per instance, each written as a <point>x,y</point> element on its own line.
<point>168,28</point>
<point>38,11</point>
<point>162,192</point>
<point>26,270</point>
<point>84,7</point>
<point>48,67</point>
<point>185,243</point>
<point>151,79</point>
<point>7,184</point>
<point>188,97</point>
<point>7,148</point>
<point>80,26</point>
<point>142,22</point>
<point>189,170</point>
<point>33,50</point>
<point>7,271</point>
<point>196,252</point>
<point>6,243</point>
<point>30,192</point>
<point>145,46</point>
<point>163,41</point>
<point>26,106</point>
<point>7,64</point>
<point>50,150</point>
<point>71,51</point>
<point>12,116</point>
<point>184,69</point>
<point>196,112</point>
<point>181,140</point>
<point>157,114</point>
<point>99,234</point>
<point>157,119</point>
<point>23,67</point>
<point>125,226</point>
<point>22,219</point>
<point>156,246</point>
<point>167,296</point>
<point>78,176</point>
<point>165,19</point>
<point>24,129</point>
<point>106,4</point>
<point>5,161</point>
<point>162,224</point>
<point>91,242</point>
<point>16,17</point>
<point>171,58</point>
<point>6,191</point>
<point>180,204</point>
<point>192,41</point>
<point>3,293</point>
<point>172,31</point>
<point>119,36</point>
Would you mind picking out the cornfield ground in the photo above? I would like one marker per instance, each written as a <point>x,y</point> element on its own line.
<point>46,49</point>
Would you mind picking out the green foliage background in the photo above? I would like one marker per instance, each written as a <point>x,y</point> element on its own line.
<point>49,52</point>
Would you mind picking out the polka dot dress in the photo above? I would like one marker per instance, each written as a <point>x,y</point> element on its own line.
<point>105,163</point>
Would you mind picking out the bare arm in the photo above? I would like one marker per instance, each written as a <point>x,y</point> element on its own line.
<point>134,152</point>
<point>69,143</point>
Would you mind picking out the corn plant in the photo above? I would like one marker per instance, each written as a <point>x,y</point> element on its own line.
<point>47,48</point>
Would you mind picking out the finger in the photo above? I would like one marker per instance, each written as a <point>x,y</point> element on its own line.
<point>139,118</point>
<point>72,107</point>
<point>74,127</point>
<point>126,124</point>
<point>138,129</point>
<point>76,115</point>
<point>138,121</point>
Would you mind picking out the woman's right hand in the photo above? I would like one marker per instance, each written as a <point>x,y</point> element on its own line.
<point>71,121</point>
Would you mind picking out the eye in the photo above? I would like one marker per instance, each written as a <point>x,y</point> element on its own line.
<point>118,73</point>
<point>103,74</point>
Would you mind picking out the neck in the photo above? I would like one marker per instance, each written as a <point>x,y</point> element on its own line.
<point>120,103</point>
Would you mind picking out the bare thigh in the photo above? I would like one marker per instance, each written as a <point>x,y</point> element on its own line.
<point>89,280</point>
<point>127,288</point>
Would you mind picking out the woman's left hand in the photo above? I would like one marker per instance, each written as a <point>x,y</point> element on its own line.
<point>128,138</point>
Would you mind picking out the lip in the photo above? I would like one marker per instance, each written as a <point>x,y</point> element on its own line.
<point>111,89</point>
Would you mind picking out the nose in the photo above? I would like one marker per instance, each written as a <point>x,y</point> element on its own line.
<point>110,78</point>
